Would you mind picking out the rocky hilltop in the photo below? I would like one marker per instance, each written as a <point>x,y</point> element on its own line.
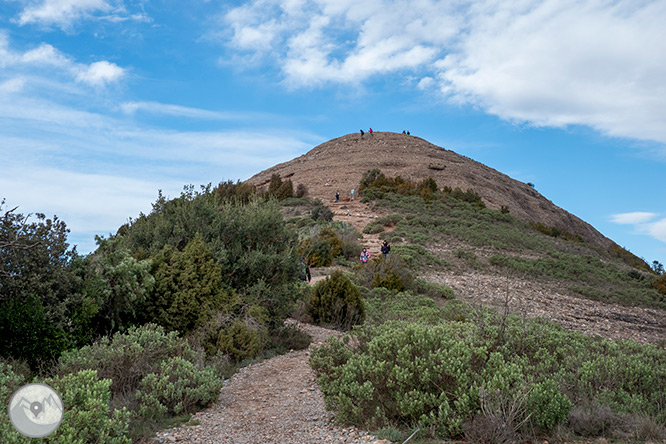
<point>339,164</point>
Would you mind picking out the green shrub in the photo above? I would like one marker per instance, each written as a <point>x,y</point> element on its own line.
<point>391,273</point>
<point>401,373</point>
<point>242,341</point>
<point>144,359</point>
<point>373,228</point>
<point>38,290</point>
<point>301,190</point>
<point>88,417</point>
<point>321,212</point>
<point>126,358</point>
<point>336,300</point>
<point>384,305</point>
<point>433,290</point>
<point>548,404</point>
<point>659,284</point>
<point>280,189</point>
<point>374,183</point>
<point>439,375</point>
<point>177,388</point>
<point>239,191</point>
<point>188,288</point>
<point>321,249</point>
<point>248,241</point>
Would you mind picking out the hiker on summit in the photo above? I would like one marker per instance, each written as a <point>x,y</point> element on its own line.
<point>337,196</point>
<point>365,256</point>
<point>351,193</point>
<point>386,248</point>
<point>371,135</point>
<point>362,134</point>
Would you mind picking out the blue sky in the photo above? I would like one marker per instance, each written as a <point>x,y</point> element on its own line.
<point>103,102</point>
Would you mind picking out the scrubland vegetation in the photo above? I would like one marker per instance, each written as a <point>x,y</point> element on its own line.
<point>425,361</point>
<point>142,332</point>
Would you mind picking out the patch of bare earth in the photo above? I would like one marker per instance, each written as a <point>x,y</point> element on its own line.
<point>533,298</point>
<point>274,401</point>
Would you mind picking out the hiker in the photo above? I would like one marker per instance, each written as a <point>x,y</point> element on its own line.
<point>362,134</point>
<point>365,256</point>
<point>386,248</point>
<point>337,196</point>
<point>371,133</point>
<point>403,132</point>
<point>304,271</point>
<point>408,132</point>
<point>352,194</point>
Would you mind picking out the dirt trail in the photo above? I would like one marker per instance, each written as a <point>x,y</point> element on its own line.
<point>358,215</point>
<point>273,401</point>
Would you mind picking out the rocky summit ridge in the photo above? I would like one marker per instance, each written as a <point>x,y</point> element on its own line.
<point>339,165</point>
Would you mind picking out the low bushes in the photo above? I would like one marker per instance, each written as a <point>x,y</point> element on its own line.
<point>88,417</point>
<point>337,301</point>
<point>155,374</point>
<point>496,373</point>
<point>329,243</point>
<point>391,273</point>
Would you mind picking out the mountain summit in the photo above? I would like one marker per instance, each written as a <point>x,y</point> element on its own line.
<point>339,165</point>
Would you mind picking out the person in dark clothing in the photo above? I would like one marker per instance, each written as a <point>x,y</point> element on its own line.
<point>386,248</point>
<point>408,132</point>
<point>304,271</point>
<point>337,196</point>
<point>362,134</point>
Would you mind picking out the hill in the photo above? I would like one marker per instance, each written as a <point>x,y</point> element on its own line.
<point>487,256</point>
<point>340,163</point>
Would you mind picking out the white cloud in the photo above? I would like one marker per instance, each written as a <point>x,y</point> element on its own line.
<point>658,230</point>
<point>100,73</point>
<point>637,217</point>
<point>45,54</point>
<point>545,62</point>
<point>178,111</point>
<point>644,223</point>
<point>64,14</point>
<point>30,64</point>
<point>61,12</point>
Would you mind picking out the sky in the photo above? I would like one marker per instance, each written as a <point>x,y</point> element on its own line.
<point>105,102</point>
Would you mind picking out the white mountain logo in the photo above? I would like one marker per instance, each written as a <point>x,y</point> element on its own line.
<point>35,410</point>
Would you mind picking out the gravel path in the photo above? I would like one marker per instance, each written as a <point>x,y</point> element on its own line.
<point>273,401</point>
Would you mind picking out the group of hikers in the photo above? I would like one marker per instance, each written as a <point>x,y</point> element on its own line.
<point>305,274</point>
<point>385,249</point>
<point>372,133</point>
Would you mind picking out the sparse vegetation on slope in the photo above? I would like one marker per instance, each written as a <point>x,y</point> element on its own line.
<point>588,270</point>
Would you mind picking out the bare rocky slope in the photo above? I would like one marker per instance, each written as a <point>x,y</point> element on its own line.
<point>339,165</point>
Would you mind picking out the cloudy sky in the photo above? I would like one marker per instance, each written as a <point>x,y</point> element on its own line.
<point>105,102</point>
